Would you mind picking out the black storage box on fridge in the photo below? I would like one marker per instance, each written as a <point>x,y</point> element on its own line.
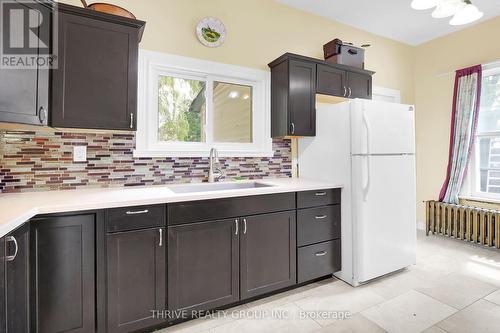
<point>339,53</point>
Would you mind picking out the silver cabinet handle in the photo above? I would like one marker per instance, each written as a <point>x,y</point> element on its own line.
<point>345,91</point>
<point>320,194</point>
<point>320,253</point>
<point>244,226</point>
<point>350,92</point>
<point>292,128</point>
<point>14,240</point>
<point>135,212</point>
<point>42,115</point>
<point>131,120</point>
<point>236,222</point>
<point>161,237</point>
<point>320,217</point>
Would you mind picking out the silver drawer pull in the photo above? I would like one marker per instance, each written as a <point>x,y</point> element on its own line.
<point>320,194</point>
<point>135,212</point>
<point>236,223</point>
<point>320,217</point>
<point>320,254</point>
<point>161,237</point>
<point>14,240</point>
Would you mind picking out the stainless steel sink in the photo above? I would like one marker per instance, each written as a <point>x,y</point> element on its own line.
<point>190,188</point>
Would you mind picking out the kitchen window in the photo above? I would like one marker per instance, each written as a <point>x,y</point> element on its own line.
<point>485,166</point>
<point>187,106</point>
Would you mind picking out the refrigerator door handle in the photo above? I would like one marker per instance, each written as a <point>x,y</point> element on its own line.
<point>366,186</point>
<point>367,126</point>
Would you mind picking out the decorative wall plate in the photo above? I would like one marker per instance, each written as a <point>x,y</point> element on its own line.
<point>211,32</point>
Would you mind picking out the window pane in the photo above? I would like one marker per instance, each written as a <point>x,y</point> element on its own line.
<point>232,118</point>
<point>489,164</point>
<point>181,109</point>
<point>489,115</point>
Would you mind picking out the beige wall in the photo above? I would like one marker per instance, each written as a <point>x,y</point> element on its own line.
<point>433,97</point>
<point>258,31</point>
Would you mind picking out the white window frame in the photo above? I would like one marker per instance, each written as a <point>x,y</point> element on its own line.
<point>153,64</point>
<point>472,183</point>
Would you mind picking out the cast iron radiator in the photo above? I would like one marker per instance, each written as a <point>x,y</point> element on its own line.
<point>478,225</point>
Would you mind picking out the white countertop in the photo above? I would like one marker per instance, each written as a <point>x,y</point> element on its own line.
<point>17,208</point>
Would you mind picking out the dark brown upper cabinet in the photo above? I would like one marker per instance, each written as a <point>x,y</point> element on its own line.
<point>359,85</point>
<point>24,93</point>
<point>95,84</point>
<point>295,81</point>
<point>293,89</point>
<point>331,81</point>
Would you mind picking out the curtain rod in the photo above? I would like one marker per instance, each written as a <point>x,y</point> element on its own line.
<point>485,67</point>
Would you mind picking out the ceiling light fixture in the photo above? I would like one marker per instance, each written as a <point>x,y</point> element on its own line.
<point>468,14</point>
<point>424,4</point>
<point>448,8</point>
<point>463,11</point>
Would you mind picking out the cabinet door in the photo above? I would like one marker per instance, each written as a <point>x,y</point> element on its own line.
<point>17,280</point>
<point>331,81</point>
<point>24,93</point>
<point>136,279</point>
<point>360,85</point>
<point>3,323</point>
<point>203,265</point>
<point>267,252</point>
<point>302,98</point>
<point>63,274</point>
<point>95,85</point>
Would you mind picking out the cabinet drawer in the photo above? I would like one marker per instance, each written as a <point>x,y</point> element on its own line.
<point>206,210</point>
<point>318,198</point>
<point>318,260</point>
<point>133,218</point>
<point>318,224</point>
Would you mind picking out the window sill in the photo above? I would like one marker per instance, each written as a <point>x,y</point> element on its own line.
<point>194,154</point>
<point>480,199</point>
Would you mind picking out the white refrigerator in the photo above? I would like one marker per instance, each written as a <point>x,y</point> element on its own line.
<point>369,147</point>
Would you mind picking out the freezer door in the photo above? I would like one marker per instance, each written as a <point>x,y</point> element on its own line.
<point>379,127</point>
<point>384,214</point>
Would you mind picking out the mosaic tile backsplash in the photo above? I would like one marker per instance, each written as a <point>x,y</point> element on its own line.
<point>37,161</point>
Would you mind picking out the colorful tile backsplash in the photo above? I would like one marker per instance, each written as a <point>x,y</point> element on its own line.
<point>35,161</point>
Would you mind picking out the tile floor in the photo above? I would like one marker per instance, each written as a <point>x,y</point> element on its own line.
<point>455,287</point>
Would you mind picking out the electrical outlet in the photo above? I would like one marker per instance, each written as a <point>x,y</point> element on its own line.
<point>79,153</point>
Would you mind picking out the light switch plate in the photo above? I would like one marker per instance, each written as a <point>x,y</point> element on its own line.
<point>79,153</point>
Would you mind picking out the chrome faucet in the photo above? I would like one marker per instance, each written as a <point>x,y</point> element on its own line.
<point>215,171</point>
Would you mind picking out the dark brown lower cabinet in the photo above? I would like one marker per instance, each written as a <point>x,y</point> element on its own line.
<point>136,279</point>
<point>318,260</point>
<point>3,324</point>
<point>267,253</point>
<point>63,274</point>
<point>203,265</point>
<point>17,276</point>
